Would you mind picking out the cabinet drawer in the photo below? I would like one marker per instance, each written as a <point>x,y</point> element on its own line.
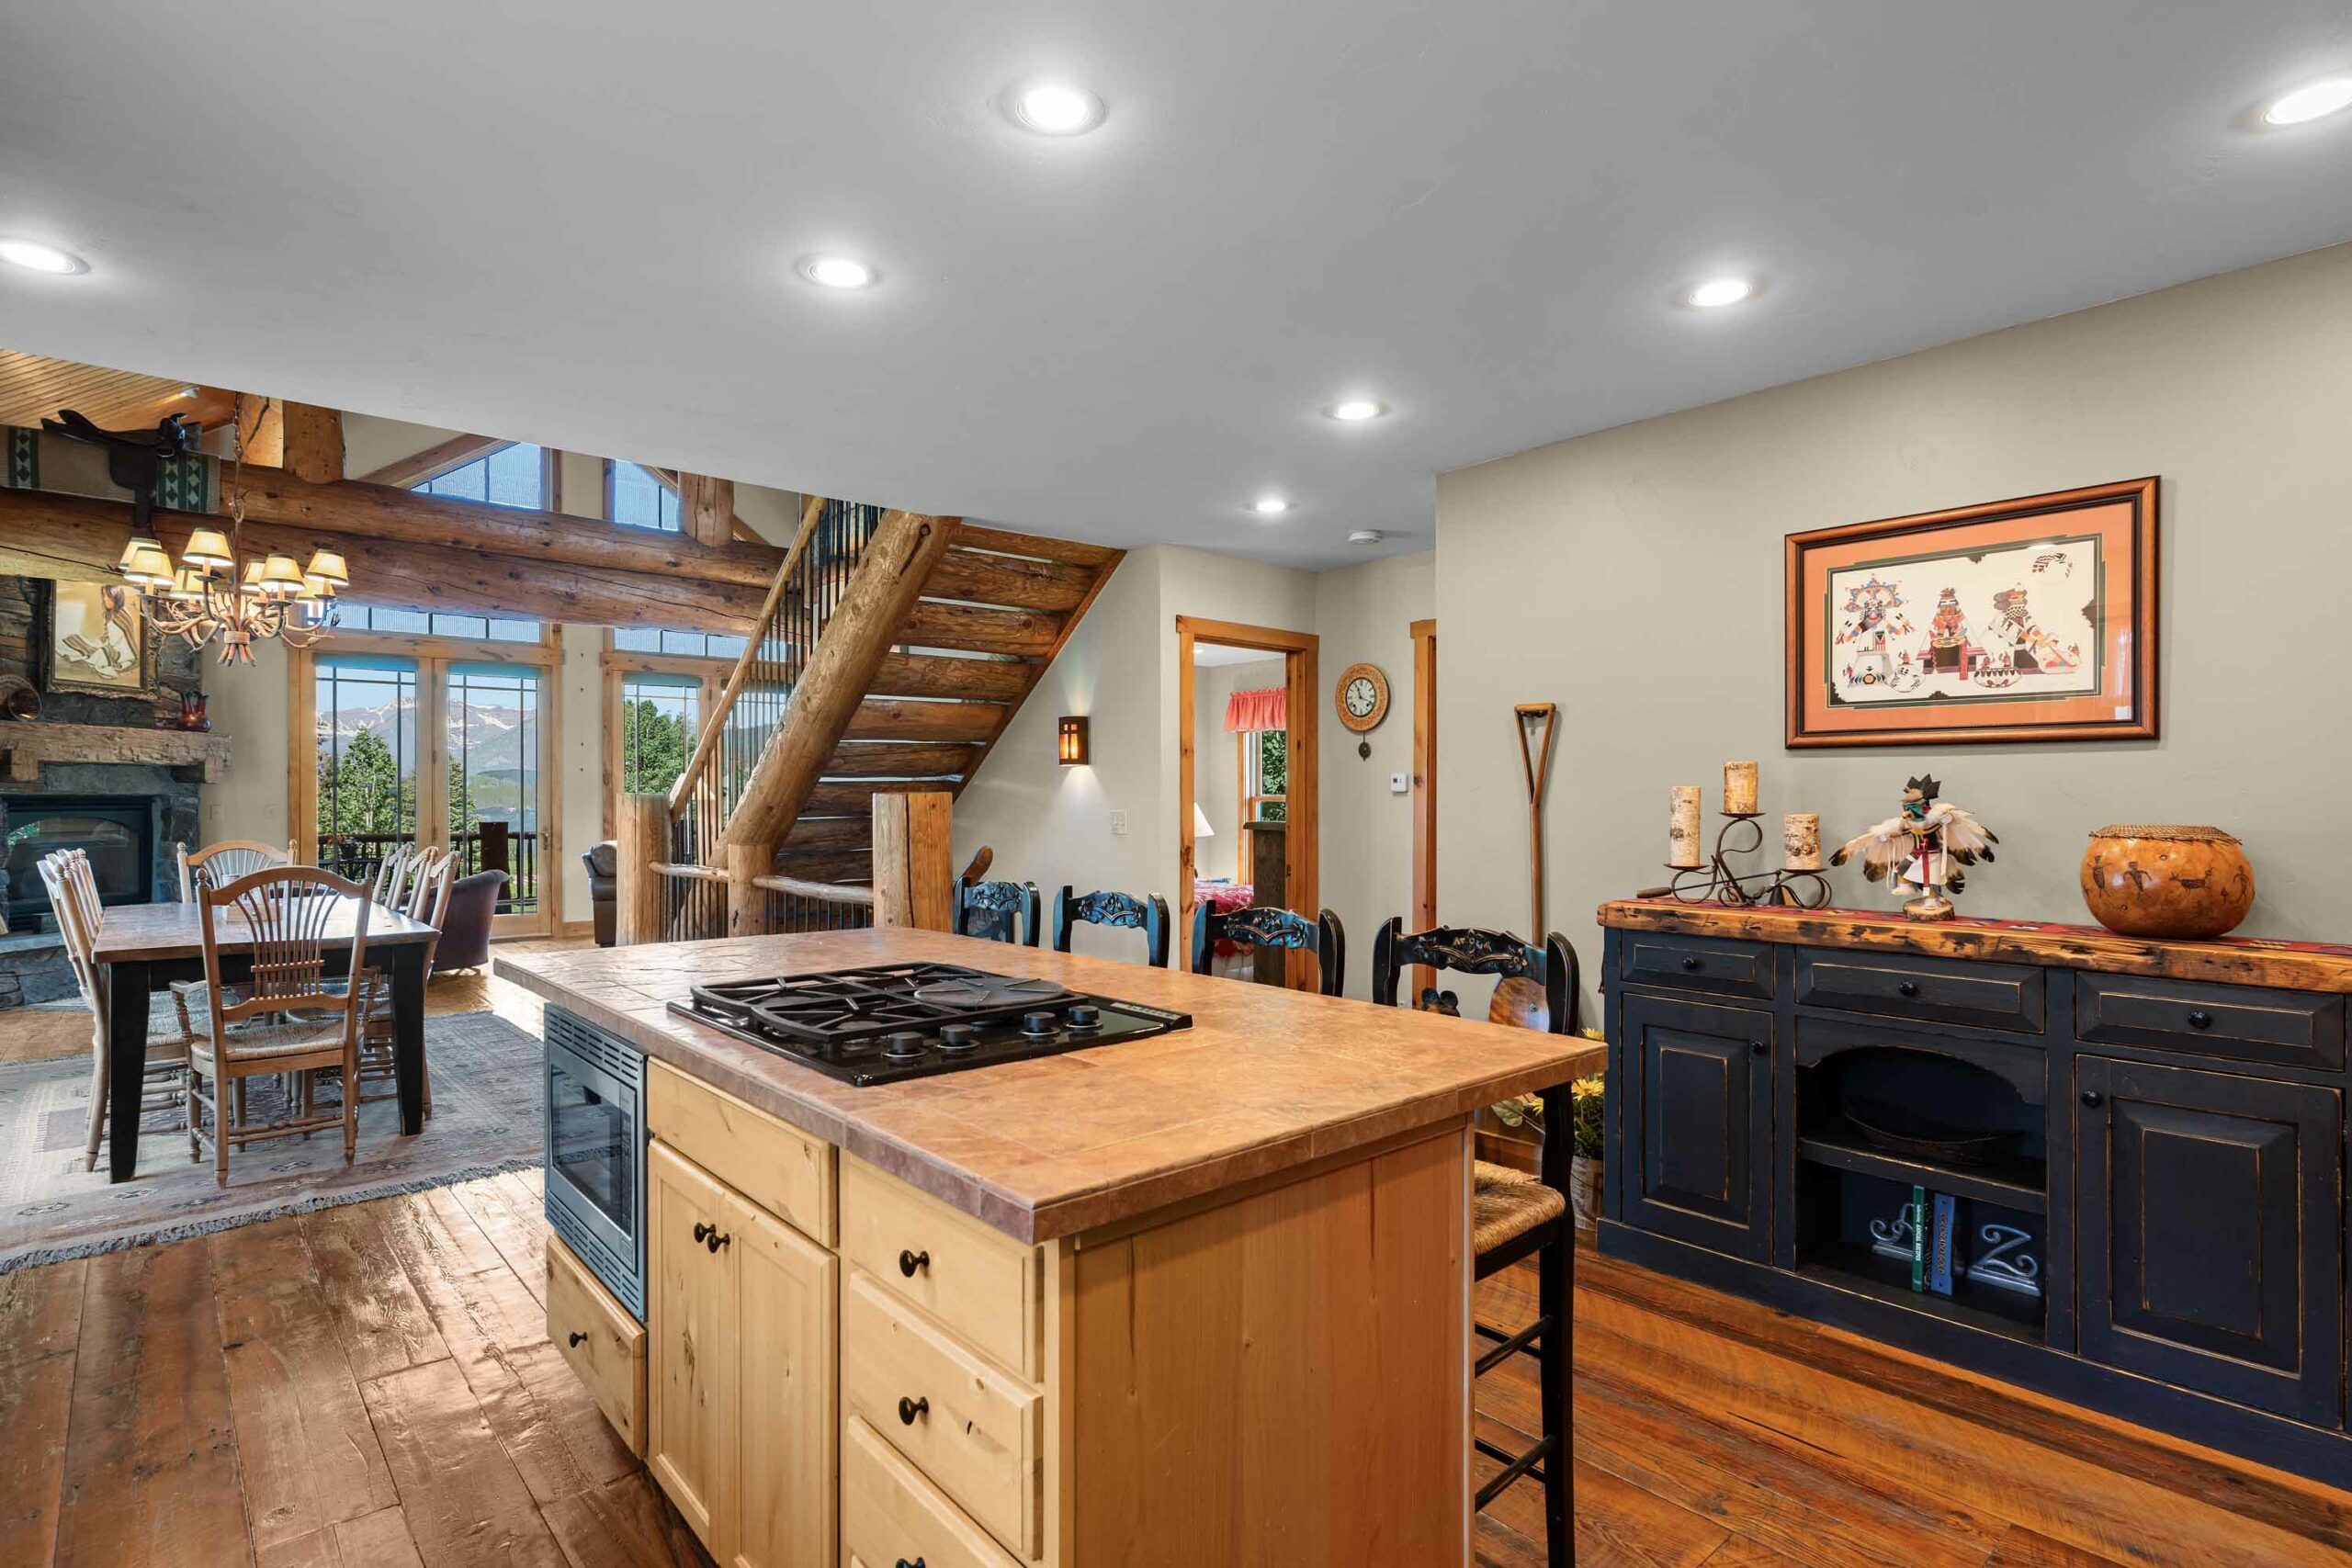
<point>1994,996</point>
<point>605,1346</point>
<point>780,1167</point>
<point>2294,1029</point>
<point>891,1514</point>
<point>970,1428</point>
<point>978,1281</point>
<point>1698,963</point>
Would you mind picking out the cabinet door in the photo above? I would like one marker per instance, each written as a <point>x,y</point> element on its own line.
<point>787,1307</point>
<point>692,1373</point>
<point>1697,1122</point>
<point>2207,1233</point>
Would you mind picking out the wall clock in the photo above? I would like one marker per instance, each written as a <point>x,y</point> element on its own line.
<point>1362,698</point>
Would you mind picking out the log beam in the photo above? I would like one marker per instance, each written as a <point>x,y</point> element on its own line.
<point>706,509</point>
<point>79,539</point>
<point>888,581</point>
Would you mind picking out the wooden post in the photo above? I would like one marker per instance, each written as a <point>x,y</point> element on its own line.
<point>707,507</point>
<point>641,839</point>
<point>313,444</point>
<point>913,883</point>
<point>747,906</point>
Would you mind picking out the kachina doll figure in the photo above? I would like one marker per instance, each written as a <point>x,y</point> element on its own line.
<point>1924,845</point>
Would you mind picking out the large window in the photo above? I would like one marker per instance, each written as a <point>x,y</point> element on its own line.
<point>438,622</point>
<point>367,779</point>
<point>511,476</point>
<point>635,495</point>
<point>493,756</point>
<point>660,716</point>
<point>1264,786</point>
<point>669,639</point>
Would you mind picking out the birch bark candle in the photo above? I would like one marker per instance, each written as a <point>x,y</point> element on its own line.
<point>1682,836</point>
<point>1739,789</point>
<point>1801,842</point>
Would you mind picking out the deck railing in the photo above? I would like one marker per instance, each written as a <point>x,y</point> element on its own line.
<point>489,846</point>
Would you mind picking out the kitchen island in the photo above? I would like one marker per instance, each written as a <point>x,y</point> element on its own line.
<point>1200,1297</point>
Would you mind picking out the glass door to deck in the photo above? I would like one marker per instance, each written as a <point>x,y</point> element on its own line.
<point>495,792</point>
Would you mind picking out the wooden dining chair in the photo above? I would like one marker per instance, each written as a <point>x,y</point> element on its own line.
<point>166,1077</point>
<point>999,911</point>
<point>1516,1215</point>
<point>296,1019</point>
<point>1262,925</point>
<point>1148,914</point>
<point>225,861</point>
<point>391,876</point>
<point>428,902</point>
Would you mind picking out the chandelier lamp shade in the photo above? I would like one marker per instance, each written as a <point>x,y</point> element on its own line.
<point>217,591</point>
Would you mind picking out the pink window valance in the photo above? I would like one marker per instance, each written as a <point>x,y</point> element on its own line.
<point>1248,711</point>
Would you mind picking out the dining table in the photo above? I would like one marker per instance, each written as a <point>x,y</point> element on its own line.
<point>145,948</point>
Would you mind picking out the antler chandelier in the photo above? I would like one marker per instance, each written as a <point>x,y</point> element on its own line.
<point>218,591</point>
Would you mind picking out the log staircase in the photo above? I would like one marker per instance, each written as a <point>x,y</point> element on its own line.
<point>891,651</point>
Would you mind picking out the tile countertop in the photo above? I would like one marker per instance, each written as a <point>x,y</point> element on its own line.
<point>1265,1078</point>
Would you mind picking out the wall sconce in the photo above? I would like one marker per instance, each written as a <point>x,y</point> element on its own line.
<point>1073,739</point>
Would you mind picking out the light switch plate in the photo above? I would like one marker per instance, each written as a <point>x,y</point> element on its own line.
<point>1399,784</point>
<point>1118,824</point>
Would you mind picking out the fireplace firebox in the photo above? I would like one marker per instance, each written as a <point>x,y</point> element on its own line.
<point>118,832</point>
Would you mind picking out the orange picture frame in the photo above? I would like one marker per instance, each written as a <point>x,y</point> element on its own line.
<point>2020,620</point>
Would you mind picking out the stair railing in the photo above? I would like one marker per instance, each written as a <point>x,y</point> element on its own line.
<point>751,706</point>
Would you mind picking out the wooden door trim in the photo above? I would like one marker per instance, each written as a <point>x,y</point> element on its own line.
<point>1301,839</point>
<point>1424,636</point>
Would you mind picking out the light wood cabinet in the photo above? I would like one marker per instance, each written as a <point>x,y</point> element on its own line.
<point>981,1282</point>
<point>743,1311</point>
<point>891,1514</point>
<point>604,1346</point>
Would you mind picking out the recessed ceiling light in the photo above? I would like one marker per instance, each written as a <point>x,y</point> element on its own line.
<point>1355,410</point>
<point>1366,536</point>
<point>1717,292</point>
<point>1057,109</point>
<point>1270,506</point>
<point>2312,102</point>
<point>37,257</point>
<point>837,272</point>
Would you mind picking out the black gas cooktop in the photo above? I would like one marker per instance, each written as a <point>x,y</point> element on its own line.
<point>909,1020</point>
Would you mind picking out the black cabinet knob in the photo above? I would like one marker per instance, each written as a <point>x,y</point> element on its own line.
<point>703,1231</point>
<point>911,1408</point>
<point>1761,1047</point>
<point>719,1238</point>
<point>1692,964</point>
<point>909,1261</point>
<point>1907,988</point>
<point>904,1563</point>
<point>2200,1020</point>
<point>2093,1098</point>
<point>579,1339</point>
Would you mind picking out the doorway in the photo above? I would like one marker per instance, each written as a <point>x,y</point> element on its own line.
<point>1245,722</point>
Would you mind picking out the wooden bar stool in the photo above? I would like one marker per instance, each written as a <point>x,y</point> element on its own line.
<point>999,911</point>
<point>1514,1215</point>
<point>1262,925</point>
<point>1125,910</point>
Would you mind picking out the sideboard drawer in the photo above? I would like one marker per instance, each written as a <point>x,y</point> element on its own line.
<point>777,1165</point>
<point>2291,1029</point>
<point>1698,963</point>
<point>605,1347</point>
<point>891,1514</point>
<point>978,1282</point>
<point>1994,996</point>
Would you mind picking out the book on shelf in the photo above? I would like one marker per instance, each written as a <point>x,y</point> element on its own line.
<point>1939,1243</point>
<point>1919,1238</point>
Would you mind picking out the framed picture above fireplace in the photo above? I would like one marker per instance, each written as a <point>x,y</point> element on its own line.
<point>92,639</point>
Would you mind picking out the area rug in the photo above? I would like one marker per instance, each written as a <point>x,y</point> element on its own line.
<point>486,1119</point>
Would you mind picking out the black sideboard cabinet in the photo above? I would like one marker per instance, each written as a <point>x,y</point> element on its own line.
<point>2142,1144</point>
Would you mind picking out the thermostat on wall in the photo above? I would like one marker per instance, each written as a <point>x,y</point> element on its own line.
<point>1400,784</point>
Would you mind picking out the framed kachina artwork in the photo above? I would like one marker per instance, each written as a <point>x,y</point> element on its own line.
<point>92,640</point>
<point>2032,619</point>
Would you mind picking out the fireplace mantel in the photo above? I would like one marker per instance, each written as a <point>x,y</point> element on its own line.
<point>26,746</point>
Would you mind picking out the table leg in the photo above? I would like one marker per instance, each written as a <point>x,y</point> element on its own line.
<point>127,1070</point>
<point>408,1032</point>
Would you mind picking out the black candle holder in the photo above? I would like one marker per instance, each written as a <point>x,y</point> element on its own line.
<point>1717,883</point>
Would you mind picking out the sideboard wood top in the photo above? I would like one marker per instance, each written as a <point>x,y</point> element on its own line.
<point>2241,961</point>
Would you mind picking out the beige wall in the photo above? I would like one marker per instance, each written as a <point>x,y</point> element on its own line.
<point>1634,578</point>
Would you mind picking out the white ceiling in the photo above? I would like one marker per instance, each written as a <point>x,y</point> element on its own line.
<point>577,224</point>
